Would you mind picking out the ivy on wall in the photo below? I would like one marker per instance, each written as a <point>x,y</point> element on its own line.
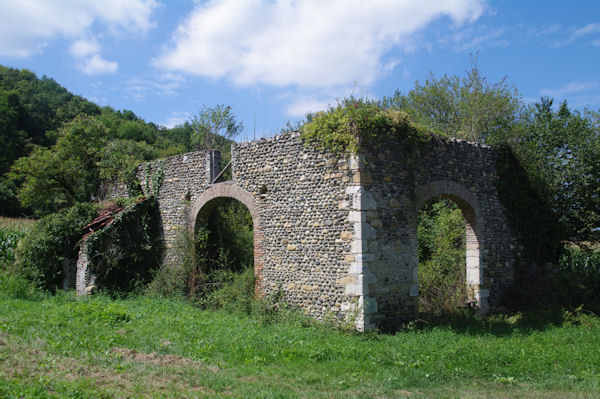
<point>154,176</point>
<point>124,254</point>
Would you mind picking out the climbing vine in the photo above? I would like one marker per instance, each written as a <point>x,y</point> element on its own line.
<point>154,176</point>
<point>124,254</point>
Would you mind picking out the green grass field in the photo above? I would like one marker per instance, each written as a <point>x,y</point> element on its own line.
<point>60,347</point>
<point>146,347</point>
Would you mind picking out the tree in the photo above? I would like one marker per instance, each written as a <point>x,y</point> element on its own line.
<point>561,152</point>
<point>120,159</point>
<point>213,124</point>
<point>13,140</point>
<point>65,174</point>
<point>469,108</point>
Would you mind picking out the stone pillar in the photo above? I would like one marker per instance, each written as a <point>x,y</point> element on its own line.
<point>85,282</point>
<point>358,287</point>
<point>474,278</point>
<point>213,165</point>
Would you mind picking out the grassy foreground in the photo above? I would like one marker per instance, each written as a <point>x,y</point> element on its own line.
<point>145,347</point>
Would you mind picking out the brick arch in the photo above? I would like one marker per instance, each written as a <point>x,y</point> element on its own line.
<point>468,203</point>
<point>466,200</point>
<point>210,198</point>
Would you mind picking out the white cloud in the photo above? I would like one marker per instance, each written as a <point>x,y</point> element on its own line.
<point>91,62</point>
<point>95,65</point>
<point>577,34</point>
<point>26,26</point>
<point>391,64</point>
<point>84,48</point>
<point>570,88</point>
<point>309,43</point>
<point>473,39</point>
<point>166,84</point>
<point>543,31</point>
<point>301,105</point>
<point>300,101</point>
<point>177,118</point>
<point>586,30</point>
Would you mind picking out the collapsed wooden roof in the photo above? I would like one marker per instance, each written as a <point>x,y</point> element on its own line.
<point>104,218</point>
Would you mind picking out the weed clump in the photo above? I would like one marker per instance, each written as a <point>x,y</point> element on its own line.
<point>355,123</point>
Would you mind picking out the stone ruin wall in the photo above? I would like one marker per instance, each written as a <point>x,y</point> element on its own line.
<point>399,180</point>
<point>337,236</point>
<point>304,197</point>
<point>185,178</point>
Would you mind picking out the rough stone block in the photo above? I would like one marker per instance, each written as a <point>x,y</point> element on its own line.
<point>363,231</point>
<point>357,216</point>
<point>353,289</point>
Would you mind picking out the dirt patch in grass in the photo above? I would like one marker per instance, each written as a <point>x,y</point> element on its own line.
<point>174,361</point>
<point>4,338</point>
<point>22,363</point>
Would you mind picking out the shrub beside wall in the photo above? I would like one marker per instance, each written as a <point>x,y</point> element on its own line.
<point>54,240</point>
<point>124,254</point>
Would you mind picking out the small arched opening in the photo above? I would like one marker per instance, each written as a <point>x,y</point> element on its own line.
<point>449,249</point>
<point>225,225</point>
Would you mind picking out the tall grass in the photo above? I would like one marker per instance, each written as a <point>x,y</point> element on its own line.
<point>11,231</point>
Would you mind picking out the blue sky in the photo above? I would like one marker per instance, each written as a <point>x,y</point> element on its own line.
<point>274,60</point>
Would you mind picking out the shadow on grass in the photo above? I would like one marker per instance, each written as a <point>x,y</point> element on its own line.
<point>499,324</point>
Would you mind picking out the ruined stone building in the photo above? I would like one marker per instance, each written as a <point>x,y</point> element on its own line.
<point>338,235</point>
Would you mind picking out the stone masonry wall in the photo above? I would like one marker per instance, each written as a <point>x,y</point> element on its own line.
<point>399,179</point>
<point>186,176</point>
<point>304,197</point>
<point>337,236</point>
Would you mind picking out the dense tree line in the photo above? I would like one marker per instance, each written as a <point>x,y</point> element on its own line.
<point>56,147</point>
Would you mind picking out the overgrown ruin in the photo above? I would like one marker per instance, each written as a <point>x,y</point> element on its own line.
<point>337,236</point>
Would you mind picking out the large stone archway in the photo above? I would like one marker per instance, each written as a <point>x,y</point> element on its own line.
<point>203,205</point>
<point>474,226</point>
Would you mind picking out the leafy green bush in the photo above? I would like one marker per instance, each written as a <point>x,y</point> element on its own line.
<point>573,282</point>
<point>580,260</point>
<point>236,293</point>
<point>353,123</point>
<point>441,243</point>
<point>230,243</point>
<point>171,280</point>
<point>53,240</point>
<point>578,278</point>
